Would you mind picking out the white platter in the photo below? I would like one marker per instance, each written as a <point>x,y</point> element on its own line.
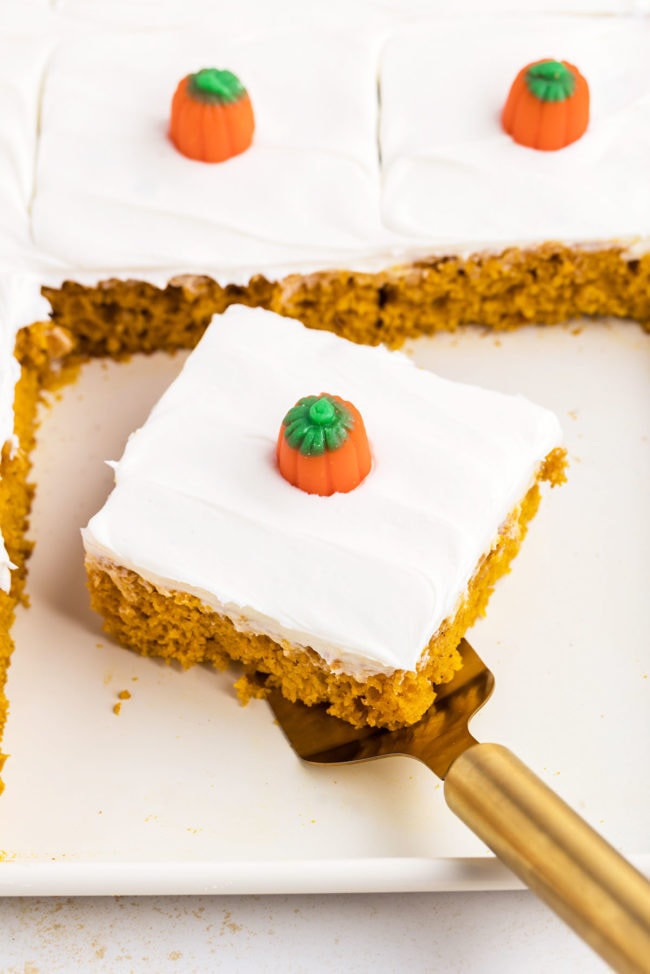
<point>186,792</point>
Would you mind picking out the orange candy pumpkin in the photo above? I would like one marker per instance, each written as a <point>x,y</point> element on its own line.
<point>548,106</point>
<point>322,446</point>
<point>211,116</point>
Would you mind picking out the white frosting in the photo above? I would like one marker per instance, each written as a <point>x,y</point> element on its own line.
<point>447,163</point>
<point>364,578</point>
<point>22,63</point>
<point>308,188</point>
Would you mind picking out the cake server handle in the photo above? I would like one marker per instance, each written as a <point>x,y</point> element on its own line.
<point>554,852</point>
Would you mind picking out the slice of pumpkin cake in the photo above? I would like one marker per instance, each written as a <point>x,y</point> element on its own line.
<point>326,513</point>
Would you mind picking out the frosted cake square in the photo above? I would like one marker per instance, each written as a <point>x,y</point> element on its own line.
<point>204,553</point>
<point>309,190</point>
<point>466,172</point>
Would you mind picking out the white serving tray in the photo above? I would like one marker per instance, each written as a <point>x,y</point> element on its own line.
<point>186,792</point>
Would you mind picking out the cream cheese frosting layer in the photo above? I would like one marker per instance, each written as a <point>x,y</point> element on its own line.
<point>364,578</point>
<point>448,165</point>
<point>308,188</point>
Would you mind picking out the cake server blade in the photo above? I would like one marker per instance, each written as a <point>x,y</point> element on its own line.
<point>530,828</point>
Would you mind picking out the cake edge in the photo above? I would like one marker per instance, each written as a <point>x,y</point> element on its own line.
<point>547,284</point>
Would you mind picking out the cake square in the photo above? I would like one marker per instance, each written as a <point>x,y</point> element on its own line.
<point>448,164</point>
<point>308,187</point>
<point>204,552</point>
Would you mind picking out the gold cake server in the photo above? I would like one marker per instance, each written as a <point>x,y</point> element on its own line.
<point>530,828</point>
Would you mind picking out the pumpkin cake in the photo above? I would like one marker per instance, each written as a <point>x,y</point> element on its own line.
<point>346,575</point>
<point>376,201</point>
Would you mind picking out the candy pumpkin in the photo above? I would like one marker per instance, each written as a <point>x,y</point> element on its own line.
<point>211,116</point>
<point>322,446</point>
<point>548,106</point>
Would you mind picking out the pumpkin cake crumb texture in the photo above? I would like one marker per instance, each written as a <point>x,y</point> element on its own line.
<point>544,285</point>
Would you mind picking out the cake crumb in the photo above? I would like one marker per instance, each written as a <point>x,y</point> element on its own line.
<point>122,695</point>
<point>247,688</point>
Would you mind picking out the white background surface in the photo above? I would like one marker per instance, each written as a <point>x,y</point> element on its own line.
<point>422,933</point>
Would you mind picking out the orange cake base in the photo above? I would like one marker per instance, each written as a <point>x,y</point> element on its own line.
<point>546,284</point>
<point>15,501</point>
<point>37,348</point>
<point>179,627</point>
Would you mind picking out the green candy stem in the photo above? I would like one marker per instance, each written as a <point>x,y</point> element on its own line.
<point>317,424</point>
<point>550,81</point>
<point>322,412</point>
<point>216,86</point>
